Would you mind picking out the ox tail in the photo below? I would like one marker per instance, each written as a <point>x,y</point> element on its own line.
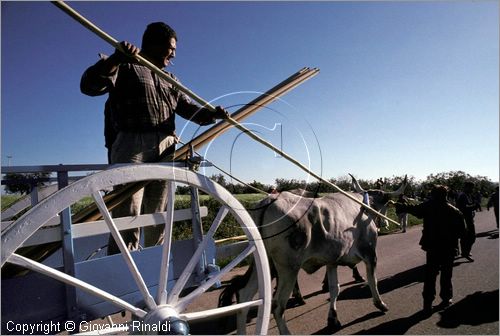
<point>240,281</point>
<point>235,285</point>
<point>259,209</point>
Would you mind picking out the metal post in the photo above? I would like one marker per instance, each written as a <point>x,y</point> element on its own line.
<point>196,219</point>
<point>68,252</point>
<point>34,194</point>
<point>197,231</point>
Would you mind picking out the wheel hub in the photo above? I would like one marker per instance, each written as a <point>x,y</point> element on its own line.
<point>164,321</point>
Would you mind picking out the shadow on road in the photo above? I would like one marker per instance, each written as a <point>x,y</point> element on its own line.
<point>216,326</point>
<point>395,327</point>
<point>328,331</point>
<point>492,234</point>
<point>402,279</point>
<point>474,309</point>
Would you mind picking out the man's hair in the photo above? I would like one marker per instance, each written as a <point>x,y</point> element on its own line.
<point>439,192</point>
<point>157,33</point>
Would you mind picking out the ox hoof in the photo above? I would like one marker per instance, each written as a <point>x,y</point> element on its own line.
<point>334,324</point>
<point>296,301</point>
<point>300,301</point>
<point>381,306</point>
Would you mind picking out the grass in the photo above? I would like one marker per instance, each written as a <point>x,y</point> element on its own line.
<point>229,227</point>
<point>8,200</point>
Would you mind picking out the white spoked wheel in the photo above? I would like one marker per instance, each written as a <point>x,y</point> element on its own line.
<point>168,303</point>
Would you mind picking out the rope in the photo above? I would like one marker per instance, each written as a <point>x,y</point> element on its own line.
<point>228,174</point>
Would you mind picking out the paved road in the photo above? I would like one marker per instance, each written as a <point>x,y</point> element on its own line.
<point>400,268</point>
<point>475,310</point>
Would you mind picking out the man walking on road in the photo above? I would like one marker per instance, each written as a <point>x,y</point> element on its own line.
<point>466,203</point>
<point>443,226</point>
<point>493,202</point>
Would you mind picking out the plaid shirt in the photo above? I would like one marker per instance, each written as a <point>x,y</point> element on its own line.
<point>140,101</point>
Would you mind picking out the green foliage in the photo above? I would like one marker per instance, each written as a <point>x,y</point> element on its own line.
<point>84,202</point>
<point>8,200</point>
<point>285,184</point>
<point>22,183</point>
<point>391,213</point>
<point>455,181</point>
<point>228,228</point>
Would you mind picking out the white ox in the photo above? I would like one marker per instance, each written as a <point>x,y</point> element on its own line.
<point>308,233</point>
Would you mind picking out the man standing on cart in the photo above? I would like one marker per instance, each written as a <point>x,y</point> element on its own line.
<point>140,119</point>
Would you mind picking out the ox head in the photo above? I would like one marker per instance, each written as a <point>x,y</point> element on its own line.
<point>379,199</point>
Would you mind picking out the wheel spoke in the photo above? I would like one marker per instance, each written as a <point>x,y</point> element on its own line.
<point>63,277</point>
<point>41,214</point>
<point>181,282</point>
<point>150,302</point>
<point>217,312</point>
<point>165,259</point>
<point>185,301</point>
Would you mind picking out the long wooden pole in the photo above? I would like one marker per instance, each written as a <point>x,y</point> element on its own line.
<point>205,104</point>
<point>304,168</point>
<point>247,110</point>
<point>91,213</point>
<point>115,198</point>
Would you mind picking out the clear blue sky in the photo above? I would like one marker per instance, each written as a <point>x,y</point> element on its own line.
<point>404,88</point>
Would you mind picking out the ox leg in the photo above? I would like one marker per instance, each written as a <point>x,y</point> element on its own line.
<point>333,284</point>
<point>287,278</point>
<point>297,294</point>
<point>244,295</point>
<point>371,265</point>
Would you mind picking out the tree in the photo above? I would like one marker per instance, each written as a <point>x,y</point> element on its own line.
<point>284,184</point>
<point>455,181</point>
<point>22,183</point>
<point>412,187</point>
<point>220,179</point>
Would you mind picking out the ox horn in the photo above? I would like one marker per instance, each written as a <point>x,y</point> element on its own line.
<point>356,185</point>
<point>401,188</point>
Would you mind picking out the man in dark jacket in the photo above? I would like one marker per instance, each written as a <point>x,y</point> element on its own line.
<point>493,202</point>
<point>466,203</point>
<point>443,226</point>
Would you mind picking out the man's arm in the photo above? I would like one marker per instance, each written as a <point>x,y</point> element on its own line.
<point>201,116</point>
<point>97,79</point>
<point>416,210</point>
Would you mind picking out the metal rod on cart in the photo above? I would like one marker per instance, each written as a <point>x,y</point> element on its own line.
<point>206,104</point>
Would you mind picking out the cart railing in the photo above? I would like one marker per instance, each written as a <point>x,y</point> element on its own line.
<point>51,231</point>
<point>73,260</point>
